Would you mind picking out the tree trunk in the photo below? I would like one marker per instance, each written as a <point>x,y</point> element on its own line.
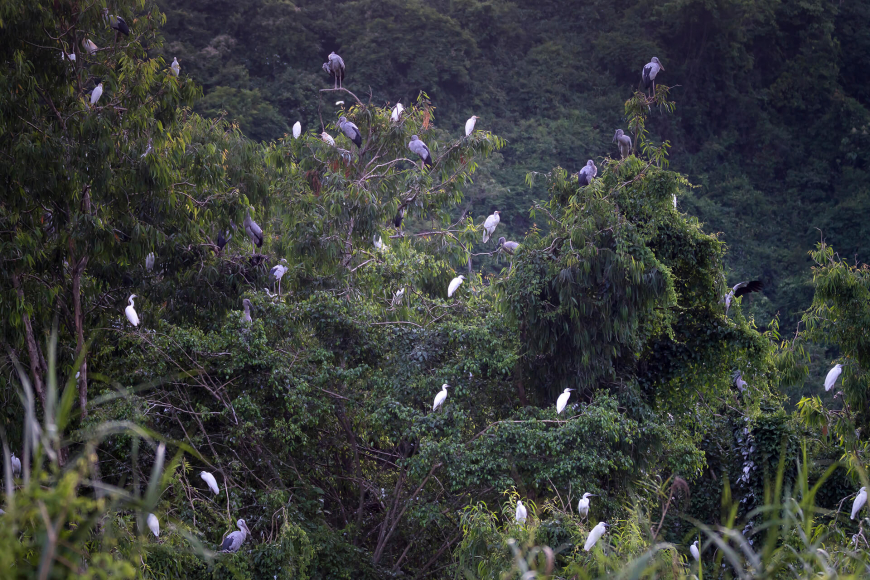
<point>348,246</point>
<point>78,271</point>
<point>342,418</point>
<point>36,373</point>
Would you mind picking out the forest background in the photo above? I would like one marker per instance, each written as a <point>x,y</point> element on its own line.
<point>317,416</point>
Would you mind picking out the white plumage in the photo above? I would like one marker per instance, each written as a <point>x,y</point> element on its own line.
<point>397,297</point>
<point>583,504</point>
<point>327,138</point>
<point>175,67</point>
<point>209,479</point>
<point>696,554</point>
<point>16,466</point>
<point>440,397</point>
<point>297,129</point>
<point>832,377</point>
<point>397,112</point>
<point>595,535</point>
<point>521,512</point>
<point>648,75</point>
<point>96,94</point>
<point>278,272</point>
<point>454,284</point>
<point>130,311</point>
<point>489,226</point>
<point>154,525</point>
<point>379,243</point>
<point>562,401</point>
<point>149,261</point>
<point>469,125</point>
<point>585,175</point>
<point>89,46</point>
<point>859,502</point>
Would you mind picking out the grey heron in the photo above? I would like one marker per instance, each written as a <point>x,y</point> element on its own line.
<point>562,401</point>
<point>522,513</point>
<point>509,247</point>
<point>96,94</point>
<point>595,535</point>
<point>246,317</point>
<point>737,379</point>
<point>585,175</point>
<point>327,138</point>
<point>440,397</point>
<point>16,466</point>
<point>335,67</point>
<point>254,232</point>
<point>351,130</point>
<point>209,479</point>
<point>489,225</point>
<point>153,525</point>
<point>454,284</point>
<point>693,549</point>
<point>469,125</point>
<point>417,146</point>
<point>832,376</point>
<point>396,112</point>
<point>859,502</point>
<point>650,70</point>
<point>297,129</point>
<point>740,289</point>
<point>234,541</point>
<point>130,311</point>
<point>622,141</point>
<point>278,272</point>
<point>149,261</point>
<point>119,24</point>
<point>175,67</point>
<point>583,505</point>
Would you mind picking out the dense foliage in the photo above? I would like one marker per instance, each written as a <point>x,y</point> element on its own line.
<point>315,414</point>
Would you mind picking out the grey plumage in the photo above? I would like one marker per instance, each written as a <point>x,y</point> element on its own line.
<point>351,130</point>
<point>234,541</point>
<point>509,247</point>
<point>16,466</point>
<point>335,67</point>
<point>648,76</point>
<point>737,378</point>
<point>417,146</point>
<point>585,175</point>
<point>149,261</point>
<point>119,24</point>
<point>253,230</point>
<point>246,304</point>
<point>622,141</point>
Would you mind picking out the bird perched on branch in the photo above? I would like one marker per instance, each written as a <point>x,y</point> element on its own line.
<point>130,311</point>
<point>832,376</point>
<point>400,215</point>
<point>278,272</point>
<point>440,397</point>
<point>693,549</point>
<point>595,535</point>
<point>327,138</point>
<point>585,175</point>
<point>417,146</point>
<point>335,67</point>
<point>509,247</point>
<point>254,232</point>
<point>859,502</point>
<point>175,67</point>
<point>149,261</point>
<point>583,505</point>
<point>119,24</point>
<point>153,525</point>
<point>397,112</point>
<point>622,141</point>
<point>351,130</point>
<point>737,378</point>
<point>454,284</point>
<point>246,317</point>
<point>297,129</point>
<point>209,479</point>
<point>16,466</point>
<point>740,289</point>
<point>562,401</point>
<point>649,73</point>
<point>522,513</point>
<point>489,225</point>
<point>234,541</point>
<point>89,46</point>
<point>469,125</point>
<point>96,94</point>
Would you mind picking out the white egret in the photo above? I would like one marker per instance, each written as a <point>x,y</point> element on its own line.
<point>175,67</point>
<point>562,401</point>
<point>96,94</point>
<point>278,272</point>
<point>130,311</point>
<point>521,512</point>
<point>397,112</point>
<point>595,535</point>
<point>154,525</point>
<point>16,466</point>
<point>71,56</point>
<point>440,397</point>
<point>417,146</point>
<point>469,125</point>
<point>832,377</point>
<point>351,130</point>
<point>379,244</point>
<point>648,75</point>
<point>297,129</point>
<point>454,284</point>
<point>622,141</point>
<point>149,261</point>
<point>337,103</point>
<point>859,502</point>
<point>327,138</point>
<point>583,505</point>
<point>489,226</point>
<point>693,549</point>
<point>209,479</point>
<point>234,541</point>
<point>675,201</point>
<point>89,46</point>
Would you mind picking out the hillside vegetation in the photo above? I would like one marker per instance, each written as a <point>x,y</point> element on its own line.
<point>155,371</point>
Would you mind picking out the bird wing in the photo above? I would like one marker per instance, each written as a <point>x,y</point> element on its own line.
<point>491,222</point>
<point>746,287</point>
<point>454,284</point>
<point>858,503</point>
<point>832,377</point>
<point>439,398</point>
<point>232,542</point>
<point>593,537</point>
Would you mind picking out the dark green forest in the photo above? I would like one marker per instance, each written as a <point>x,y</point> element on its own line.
<point>172,409</point>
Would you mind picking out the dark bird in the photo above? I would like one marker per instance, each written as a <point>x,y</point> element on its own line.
<point>222,241</point>
<point>584,177</point>
<point>740,289</point>
<point>351,130</point>
<point>335,67</point>
<point>400,215</point>
<point>119,24</point>
<point>254,232</point>
<point>417,146</point>
<point>649,73</point>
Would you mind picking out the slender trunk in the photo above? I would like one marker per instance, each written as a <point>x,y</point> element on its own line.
<point>36,373</point>
<point>518,371</point>
<point>357,467</point>
<point>348,246</point>
<point>78,314</point>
